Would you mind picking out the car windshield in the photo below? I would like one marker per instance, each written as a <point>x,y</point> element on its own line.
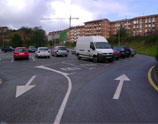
<point>61,48</point>
<point>43,49</point>
<point>102,45</point>
<point>118,48</point>
<point>32,47</point>
<point>20,50</point>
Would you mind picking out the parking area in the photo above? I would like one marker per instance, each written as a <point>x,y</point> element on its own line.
<point>51,88</point>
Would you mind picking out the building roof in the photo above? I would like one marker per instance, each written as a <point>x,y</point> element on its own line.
<point>97,21</point>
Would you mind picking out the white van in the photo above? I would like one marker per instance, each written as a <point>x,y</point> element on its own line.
<point>94,47</point>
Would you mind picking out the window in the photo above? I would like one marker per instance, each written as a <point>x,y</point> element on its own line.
<point>153,20</point>
<point>146,25</point>
<point>146,20</point>
<point>146,30</point>
<point>141,21</point>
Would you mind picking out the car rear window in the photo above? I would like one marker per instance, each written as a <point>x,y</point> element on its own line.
<point>20,50</point>
<point>61,48</point>
<point>43,49</point>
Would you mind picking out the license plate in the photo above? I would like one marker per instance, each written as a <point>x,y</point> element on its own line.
<point>21,54</point>
<point>108,57</point>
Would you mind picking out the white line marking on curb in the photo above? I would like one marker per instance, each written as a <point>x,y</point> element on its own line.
<point>33,58</point>
<point>64,102</point>
<point>0,81</point>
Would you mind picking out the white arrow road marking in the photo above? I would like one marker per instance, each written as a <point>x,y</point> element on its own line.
<point>121,78</point>
<point>23,89</point>
<point>64,102</point>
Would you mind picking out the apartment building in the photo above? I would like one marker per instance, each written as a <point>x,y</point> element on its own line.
<point>98,27</point>
<point>55,35</point>
<point>75,32</point>
<point>115,26</point>
<point>142,25</point>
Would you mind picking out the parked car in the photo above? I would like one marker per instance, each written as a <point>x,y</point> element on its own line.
<point>73,51</point>
<point>117,53</point>
<point>42,52</point>
<point>7,49</point>
<point>121,50</point>
<point>60,51</point>
<point>21,53</point>
<point>127,51</point>
<point>32,49</point>
<point>133,52</point>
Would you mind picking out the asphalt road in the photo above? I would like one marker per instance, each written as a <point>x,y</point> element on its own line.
<point>89,100</point>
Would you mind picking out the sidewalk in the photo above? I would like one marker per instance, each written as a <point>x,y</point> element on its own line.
<point>153,77</point>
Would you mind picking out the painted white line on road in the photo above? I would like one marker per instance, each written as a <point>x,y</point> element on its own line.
<point>33,59</point>
<point>92,68</point>
<point>88,64</point>
<point>24,88</point>
<point>12,60</point>
<point>70,68</point>
<point>121,78</point>
<point>75,65</point>
<point>64,102</point>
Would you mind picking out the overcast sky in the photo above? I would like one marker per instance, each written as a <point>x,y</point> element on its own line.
<point>29,13</point>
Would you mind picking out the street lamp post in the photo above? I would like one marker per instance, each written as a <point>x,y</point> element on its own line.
<point>119,37</point>
<point>3,38</point>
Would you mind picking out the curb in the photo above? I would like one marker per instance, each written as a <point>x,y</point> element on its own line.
<point>153,84</point>
<point>0,82</point>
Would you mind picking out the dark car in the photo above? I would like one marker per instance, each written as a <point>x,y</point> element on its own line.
<point>133,52</point>
<point>7,49</point>
<point>127,50</point>
<point>117,53</point>
<point>32,49</point>
<point>121,50</point>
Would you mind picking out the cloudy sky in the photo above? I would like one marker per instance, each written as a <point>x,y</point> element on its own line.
<point>31,13</point>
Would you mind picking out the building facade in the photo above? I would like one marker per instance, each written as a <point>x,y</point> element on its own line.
<point>143,25</point>
<point>75,32</point>
<point>98,27</point>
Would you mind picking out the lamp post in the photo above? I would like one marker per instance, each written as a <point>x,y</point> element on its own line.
<point>3,37</point>
<point>119,37</point>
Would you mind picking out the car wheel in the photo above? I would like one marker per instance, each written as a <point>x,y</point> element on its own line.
<point>78,57</point>
<point>95,59</point>
<point>66,55</point>
<point>56,55</point>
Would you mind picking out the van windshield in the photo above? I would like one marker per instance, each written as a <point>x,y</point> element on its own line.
<point>102,45</point>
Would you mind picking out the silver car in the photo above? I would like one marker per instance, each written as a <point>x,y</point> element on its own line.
<point>60,51</point>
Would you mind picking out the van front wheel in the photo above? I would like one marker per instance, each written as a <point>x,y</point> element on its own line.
<point>95,59</point>
<point>78,57</point>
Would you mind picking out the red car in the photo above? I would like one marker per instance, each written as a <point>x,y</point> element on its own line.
<point>21,52</point>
